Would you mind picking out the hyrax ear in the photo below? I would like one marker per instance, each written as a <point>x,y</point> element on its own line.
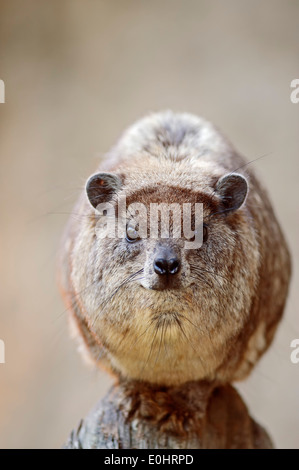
<point>232,189</point>
<point>101,187</point>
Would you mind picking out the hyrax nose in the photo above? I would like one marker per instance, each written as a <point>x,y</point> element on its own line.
<point>166,265</point>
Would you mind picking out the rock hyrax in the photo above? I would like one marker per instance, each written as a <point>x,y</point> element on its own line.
<point>151,309</point>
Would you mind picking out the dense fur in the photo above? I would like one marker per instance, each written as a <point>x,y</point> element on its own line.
<point>221,312</point>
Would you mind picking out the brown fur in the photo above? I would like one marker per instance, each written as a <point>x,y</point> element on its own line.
<point>222,312</point>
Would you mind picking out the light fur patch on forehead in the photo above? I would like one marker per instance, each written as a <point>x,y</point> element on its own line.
<point>168,129</point>
<point>191,174</point>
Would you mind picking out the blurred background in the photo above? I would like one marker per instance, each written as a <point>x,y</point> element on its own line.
<point>76,74</point>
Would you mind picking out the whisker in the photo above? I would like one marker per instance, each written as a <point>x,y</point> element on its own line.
<point>164,324</point>
<point>199,271</point>
<point>138,338</point>
<point>75,296</point>
<point>122,284</point>
<point>125,281</point>
<point>243,166</point>
<point>150,351</point>
<point>189,341</point>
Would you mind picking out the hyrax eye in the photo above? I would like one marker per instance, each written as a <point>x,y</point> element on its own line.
<point>132,234</point>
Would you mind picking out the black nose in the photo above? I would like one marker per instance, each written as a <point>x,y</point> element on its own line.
<point>167,266</point>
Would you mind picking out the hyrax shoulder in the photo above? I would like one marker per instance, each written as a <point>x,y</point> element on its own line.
<point>162,309</point>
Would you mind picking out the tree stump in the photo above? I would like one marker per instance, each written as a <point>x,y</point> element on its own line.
<point>196,415</point>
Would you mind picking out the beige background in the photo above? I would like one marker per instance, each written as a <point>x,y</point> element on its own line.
<point>77,73</point>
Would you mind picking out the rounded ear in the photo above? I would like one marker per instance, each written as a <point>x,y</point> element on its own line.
<point>232,189</point>
<point>101,187</point>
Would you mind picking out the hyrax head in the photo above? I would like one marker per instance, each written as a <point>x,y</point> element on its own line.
<point>162,230</point>
<point>171,282</point>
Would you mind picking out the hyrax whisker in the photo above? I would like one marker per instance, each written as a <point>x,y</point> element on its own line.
<point>150,349</point>
<point>201,270</point>
<point>201,278</point>
<point>132,345</point>
<point>184,333</point>
<point>162,337</point>
<point>74,297</point>
<point>125,281</point>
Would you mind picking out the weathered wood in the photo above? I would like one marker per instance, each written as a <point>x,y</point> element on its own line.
<point>197,415</point>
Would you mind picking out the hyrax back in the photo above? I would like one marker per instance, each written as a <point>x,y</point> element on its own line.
<point>149,308</point>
